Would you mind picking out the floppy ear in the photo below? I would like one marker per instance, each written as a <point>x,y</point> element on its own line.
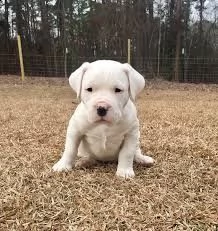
<point>76,78</point>
<point>136,81</point>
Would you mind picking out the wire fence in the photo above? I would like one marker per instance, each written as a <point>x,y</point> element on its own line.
<point>193,70</point>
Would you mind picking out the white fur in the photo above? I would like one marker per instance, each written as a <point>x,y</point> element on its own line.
<point>114,136</point>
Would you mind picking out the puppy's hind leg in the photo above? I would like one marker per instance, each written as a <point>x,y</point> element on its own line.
<point>85,162</point>
<point>143,159</point>
<point>85,158</point>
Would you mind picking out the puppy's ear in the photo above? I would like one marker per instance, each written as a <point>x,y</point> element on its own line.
<point>76,78</point>
<point>136,81</point>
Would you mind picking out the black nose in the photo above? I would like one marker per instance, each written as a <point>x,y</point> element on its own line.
<point>101,111</point>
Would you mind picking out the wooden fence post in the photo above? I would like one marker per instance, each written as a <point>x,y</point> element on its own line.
<point>20,57</point>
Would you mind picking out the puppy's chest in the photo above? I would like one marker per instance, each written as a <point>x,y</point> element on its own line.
<point>105,138</point>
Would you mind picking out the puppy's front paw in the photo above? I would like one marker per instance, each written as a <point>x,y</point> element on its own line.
<point>125,173</point>
<point>62,165</point>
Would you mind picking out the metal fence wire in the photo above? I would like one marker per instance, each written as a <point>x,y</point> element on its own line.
<point>195,70</point>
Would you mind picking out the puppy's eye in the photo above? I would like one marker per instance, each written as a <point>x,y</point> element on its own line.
<point>89,89</point>
<point>117,90</point>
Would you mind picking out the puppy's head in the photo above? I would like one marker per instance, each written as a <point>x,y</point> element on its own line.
<point>105,87</point>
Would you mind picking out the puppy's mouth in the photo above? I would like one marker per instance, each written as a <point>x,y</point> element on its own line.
<point>103,121</point>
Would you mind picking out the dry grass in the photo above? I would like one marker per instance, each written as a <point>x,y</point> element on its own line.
<point>179,128</point>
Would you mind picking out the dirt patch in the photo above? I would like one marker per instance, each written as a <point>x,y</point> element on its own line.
<point>179,128</point>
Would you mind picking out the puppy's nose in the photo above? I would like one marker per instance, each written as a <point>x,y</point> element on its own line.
<point>101,111</point>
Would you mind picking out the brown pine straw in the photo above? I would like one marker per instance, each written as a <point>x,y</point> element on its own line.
<point>179,128</point>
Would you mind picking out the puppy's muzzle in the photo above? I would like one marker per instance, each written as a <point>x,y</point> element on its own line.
<point>102,108</point>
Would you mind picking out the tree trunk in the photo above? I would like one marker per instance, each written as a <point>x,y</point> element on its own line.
<point>45,33</point>
<point>158,53</point>
<point>7,36</point>
<point>178,40</point>
<point>201,9</point>
<point>186,38</point>
<point>151,9</point>
<point>19,19</point>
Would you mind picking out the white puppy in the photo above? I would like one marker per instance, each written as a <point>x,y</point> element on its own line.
<point>104,126</point>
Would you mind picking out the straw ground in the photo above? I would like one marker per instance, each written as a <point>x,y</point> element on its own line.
<point>179,128</point>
